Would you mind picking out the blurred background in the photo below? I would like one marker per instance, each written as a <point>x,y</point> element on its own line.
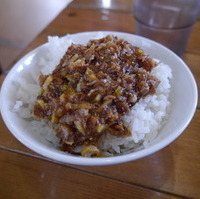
<point>22,20</point>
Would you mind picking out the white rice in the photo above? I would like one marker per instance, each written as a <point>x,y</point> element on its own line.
<point>144,120</point>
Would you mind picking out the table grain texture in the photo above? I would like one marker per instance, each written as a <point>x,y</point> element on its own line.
<point>173,172</point>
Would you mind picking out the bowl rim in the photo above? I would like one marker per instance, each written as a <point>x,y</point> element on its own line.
<point>76,160</point>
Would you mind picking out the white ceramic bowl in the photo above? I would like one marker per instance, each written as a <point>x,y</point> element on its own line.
<point>183,98</point>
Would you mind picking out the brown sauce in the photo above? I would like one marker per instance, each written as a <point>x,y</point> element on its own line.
<point>92,88</point>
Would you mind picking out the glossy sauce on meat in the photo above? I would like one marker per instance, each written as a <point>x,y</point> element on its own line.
<point>92,88</point>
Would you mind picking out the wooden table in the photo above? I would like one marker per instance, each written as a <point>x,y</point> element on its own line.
<point>173,172</point>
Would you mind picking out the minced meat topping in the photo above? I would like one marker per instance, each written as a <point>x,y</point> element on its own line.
<point>90,90</point>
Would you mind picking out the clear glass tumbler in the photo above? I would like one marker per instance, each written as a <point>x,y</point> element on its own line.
<point>166,21</point>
